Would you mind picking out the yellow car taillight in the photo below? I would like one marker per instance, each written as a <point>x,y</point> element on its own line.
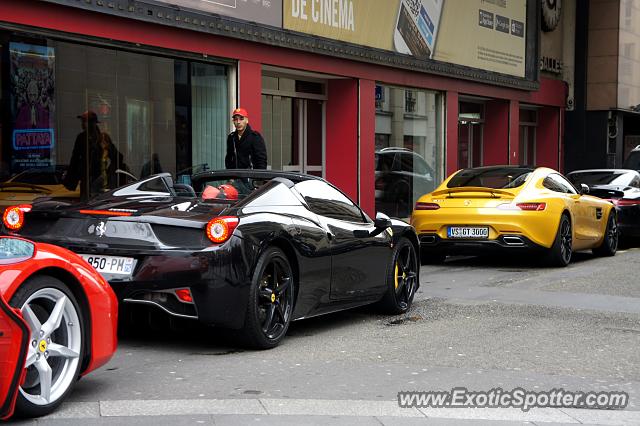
<point>13,217</point>
<point>219,229</point>
<point>427,206</point>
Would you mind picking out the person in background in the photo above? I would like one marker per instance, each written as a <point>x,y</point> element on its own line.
<point>151,167</point>
<point>94,160</point>
<point>245,147</point>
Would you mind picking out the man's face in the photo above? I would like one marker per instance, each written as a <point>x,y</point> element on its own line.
<point>240,122</point>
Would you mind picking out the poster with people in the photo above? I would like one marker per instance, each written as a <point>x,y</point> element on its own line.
<point>32,106</point>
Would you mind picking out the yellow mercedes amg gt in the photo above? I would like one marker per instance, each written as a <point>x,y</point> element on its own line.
<point>513,208</point>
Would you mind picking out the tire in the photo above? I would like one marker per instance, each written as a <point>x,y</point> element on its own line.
<point>57,336</point>
<point>427,258</point>
<point>610,241</point>
<point>562,248</point>
<point>402,279</point>
<point>270,303</point>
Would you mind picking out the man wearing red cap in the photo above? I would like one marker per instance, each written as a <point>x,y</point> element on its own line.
<point>245,146</point>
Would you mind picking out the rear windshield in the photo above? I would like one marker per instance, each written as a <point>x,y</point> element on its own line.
<point>491,177</point>
<point>601,178</point>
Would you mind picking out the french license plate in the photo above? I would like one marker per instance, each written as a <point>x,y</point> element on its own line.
<point>112,265</point>
<point>476,232</point>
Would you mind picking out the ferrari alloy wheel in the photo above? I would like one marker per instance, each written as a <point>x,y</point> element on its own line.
<point>610,240</point>
<point>56,342</point>
<point>270,301</point>
<point>402,279</point>
<point>562,248</point>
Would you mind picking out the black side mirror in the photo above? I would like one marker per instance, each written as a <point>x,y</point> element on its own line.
<point>382,221</point>
<point>584,188</point>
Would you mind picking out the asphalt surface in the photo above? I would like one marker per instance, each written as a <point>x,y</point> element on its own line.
<point>479,323</point>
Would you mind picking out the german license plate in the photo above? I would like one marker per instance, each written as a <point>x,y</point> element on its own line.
<point>112,265</point>
<point>476,232</point>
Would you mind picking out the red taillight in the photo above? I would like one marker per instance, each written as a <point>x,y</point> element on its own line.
<point>219,229</point>
<point>537,207</point>
<point>184,295</point>
<point>427,206</point>
<point>106,212</point>
<point>622,202</point>
<point>13,216</point>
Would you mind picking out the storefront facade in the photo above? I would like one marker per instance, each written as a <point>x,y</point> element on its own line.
<point>385,123</point>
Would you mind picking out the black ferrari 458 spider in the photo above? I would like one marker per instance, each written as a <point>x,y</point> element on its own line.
<point>241,249</point>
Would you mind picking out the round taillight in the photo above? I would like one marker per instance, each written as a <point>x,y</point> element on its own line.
<point>13,217</point>
<point>219,229</point>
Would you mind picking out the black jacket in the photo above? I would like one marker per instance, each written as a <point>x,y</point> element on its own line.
<point>249,152</point>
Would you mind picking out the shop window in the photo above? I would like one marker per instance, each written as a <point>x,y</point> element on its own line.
<point>87,119</point>
<point>409,147</point>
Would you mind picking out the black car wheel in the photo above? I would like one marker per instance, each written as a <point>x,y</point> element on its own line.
<point>56,349</point>
<point>402,278</point>
<point>562,248</point>
<point>271,300</point>
<point>609,244</point>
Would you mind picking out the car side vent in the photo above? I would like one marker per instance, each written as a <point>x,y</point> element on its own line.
<point>178,236</point>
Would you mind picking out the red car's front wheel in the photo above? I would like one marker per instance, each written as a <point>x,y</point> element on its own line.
<point>56,344</point>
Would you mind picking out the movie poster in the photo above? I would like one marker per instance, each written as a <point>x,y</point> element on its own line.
<point>32,106</point>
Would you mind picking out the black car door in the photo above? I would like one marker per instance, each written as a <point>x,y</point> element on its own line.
<point>358,264</point>
<point>14,340</point>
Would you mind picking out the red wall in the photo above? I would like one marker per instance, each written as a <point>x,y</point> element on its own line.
<point>495,143</point>
<point>367,146</point>
<point>341,156</point>
<point>451,134</point>
<point>250,91</point>
<point>514,133</point>
<point>547,137</point>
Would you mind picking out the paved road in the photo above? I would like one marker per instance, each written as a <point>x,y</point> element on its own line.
<point>480,323</point>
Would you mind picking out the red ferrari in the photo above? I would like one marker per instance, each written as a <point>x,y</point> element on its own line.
<point>58,321</point>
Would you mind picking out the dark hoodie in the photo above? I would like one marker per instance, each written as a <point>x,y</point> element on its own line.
<point>249,152</point>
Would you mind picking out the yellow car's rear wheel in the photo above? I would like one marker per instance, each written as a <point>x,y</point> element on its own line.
<point>609,244</point>
<point>562,248</point>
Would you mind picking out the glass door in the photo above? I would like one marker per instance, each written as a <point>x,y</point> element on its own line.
<point>294,133</point>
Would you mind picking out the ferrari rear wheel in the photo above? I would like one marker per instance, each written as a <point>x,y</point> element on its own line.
<point>402,279</point>
<point>562,248</point>
<point>56,344</point>
<point>271,299</point>
<point>609,244</point>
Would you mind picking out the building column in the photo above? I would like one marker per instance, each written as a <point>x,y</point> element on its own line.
<point>250,92</point>
<point>451,133</point>
<point>547,137</point>
<point>367,146</point>
<point>514,132</point>
<point>495,143</point>
<point>341,146</point>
